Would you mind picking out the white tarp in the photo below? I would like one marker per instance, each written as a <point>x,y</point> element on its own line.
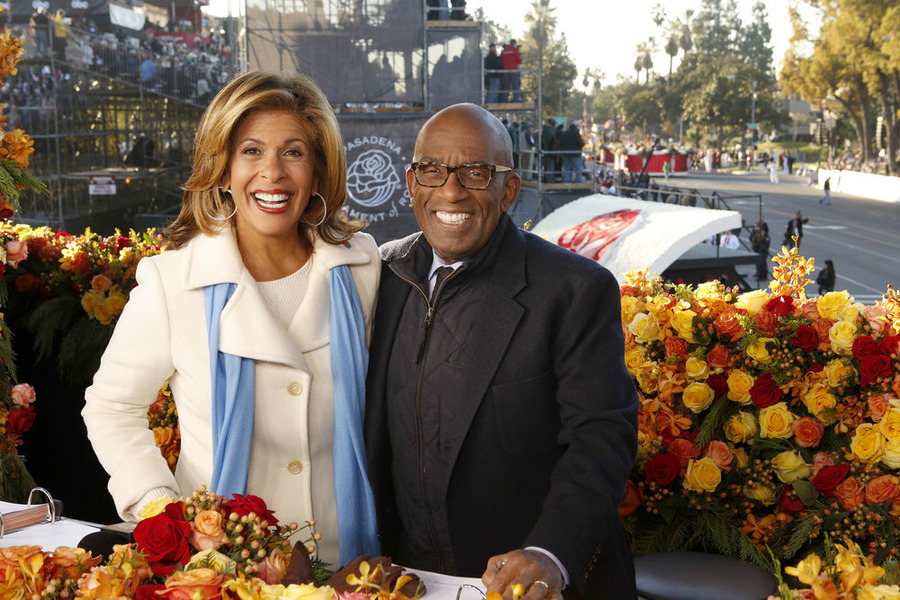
<point>624,234</point>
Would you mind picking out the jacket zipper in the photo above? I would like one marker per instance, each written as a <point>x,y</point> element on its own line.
<point>420,364</point>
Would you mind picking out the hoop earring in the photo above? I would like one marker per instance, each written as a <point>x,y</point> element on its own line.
<point>224,192</point>
<point>324,214</point>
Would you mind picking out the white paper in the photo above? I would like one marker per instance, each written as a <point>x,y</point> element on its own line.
<point>445,587</point>
<point>48,536</point>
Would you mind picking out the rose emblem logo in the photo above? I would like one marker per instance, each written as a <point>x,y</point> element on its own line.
<point>372,178</point>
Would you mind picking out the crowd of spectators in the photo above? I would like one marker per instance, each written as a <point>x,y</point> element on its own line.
<point>158,62</point>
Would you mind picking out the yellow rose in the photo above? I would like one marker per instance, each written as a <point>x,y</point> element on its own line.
<point>837,371</point>
<point>789,466</point>
<point>891,456</point>
<point>702,475</point>
<point>740,457</point>
<point>753,302</point>
<point>739,384</point>
<point>630,307</point>
<point>890,424</point>
<point>867,443</point>
<point>841,336</point>
<point>818,398</point>
<point>295,591</point>
<point>155,507</point>
<point>90,300</point>
<point>696,369</point>
<point>644,328</point>
<point>741,427</point>
<point>775,421</point>
<point>851,311</point>
<point>877,592</point>
<point>115,302</point>
<point>830,304</point>
<point>759,492</point>
<point>682,322</point>
<point>211,559</point>
<point>698,396</point>
<point>758,351</point>
<point>101,313</point>
<point>634,358</point>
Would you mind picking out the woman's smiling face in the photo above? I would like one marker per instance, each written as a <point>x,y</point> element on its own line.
<point>271,174</point>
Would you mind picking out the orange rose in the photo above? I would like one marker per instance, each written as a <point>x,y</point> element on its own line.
<point>822,327</point>
<point>728,326</point>
<point>685,450</point>
<point>196,583</point>
<point>101,283</point>
<point>720,453</point>
<point>676,346</point>
<point>766,322</point>
<point>630,500</point>
<point>273,567</point>
<point>10,557</point>
<point>719,357</point>
<point>68,562</point>
<point>810,309</point>
<point>851,492</point>
<point>807,432</point>
<point>882,488</point>
<point>207,532</point>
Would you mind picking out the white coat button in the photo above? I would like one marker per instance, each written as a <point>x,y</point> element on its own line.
<point>295,388</point>
<point>295,467</point>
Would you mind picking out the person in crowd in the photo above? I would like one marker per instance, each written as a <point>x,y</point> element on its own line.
<point>512,58</point>
<point>40,23</point>
<point>493,74</point>
<point>826,278</point>
<point>730,240</point>
<point>571,144</point>
<point>458,10</point>
<point>795,228</point>
<point>826,188</point>
<point>666,168</point>
<point>438,10</point>
<point>60,33</point>
<point>148,72</point>
<point>500,418</point>
<point>759,243</point>
<point>526,151</point>
<point>548,160</point>
<point>257,316</point>
<point>773,171</point>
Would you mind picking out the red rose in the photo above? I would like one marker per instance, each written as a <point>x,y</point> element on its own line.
<point>815,368</point>
<point>873,367</point>
<point>21,419</point>
<point>675,346</point>
<point>828,478</point>
<point>244,505</point>
<point>148,591</point>
<point>888,344</point>
<point>789,502</point>
<point>766,322</point>
<point>662,469</point>
<point>718,382</point>
<point>806,338</point>
<point>865,347</point>
<point>765,392</point>
<point>164,539</point>
<point>782,306</point>
<point>26,282</point>
<point>122,242</point>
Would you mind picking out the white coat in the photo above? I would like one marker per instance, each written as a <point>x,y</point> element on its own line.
<point>162,336</point>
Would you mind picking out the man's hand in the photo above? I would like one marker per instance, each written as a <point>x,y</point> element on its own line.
<point>523,575</point>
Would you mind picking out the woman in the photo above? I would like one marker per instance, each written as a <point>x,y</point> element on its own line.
<point>827,278</point>
<point>269,285</point>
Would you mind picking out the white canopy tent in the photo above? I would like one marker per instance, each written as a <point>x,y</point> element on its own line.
<point>624,234</point>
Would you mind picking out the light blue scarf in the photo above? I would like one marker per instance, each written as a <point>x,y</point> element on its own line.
<point>233,391</point>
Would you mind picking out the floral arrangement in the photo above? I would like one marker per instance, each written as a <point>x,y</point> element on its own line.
<point>16,400</point>
<point>768,420</point>
<point>205,547</point>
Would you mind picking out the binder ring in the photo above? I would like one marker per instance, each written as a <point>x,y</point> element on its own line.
<point>471,587</point>
<point>51,506</point>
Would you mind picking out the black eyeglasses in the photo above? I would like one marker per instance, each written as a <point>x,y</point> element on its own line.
<point>473,177</point>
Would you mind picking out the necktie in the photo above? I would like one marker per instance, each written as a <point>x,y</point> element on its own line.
<point>439,276</point>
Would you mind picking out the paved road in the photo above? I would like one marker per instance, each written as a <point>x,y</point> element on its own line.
<point>861,236</point>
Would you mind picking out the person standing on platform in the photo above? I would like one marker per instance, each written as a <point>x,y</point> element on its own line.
<point>493,74</point>
<point>526,151</point>
<point>548,160</point>
<point>826,187</point>
<point>511,61</point>
<point>666,168</point>
<point>257,316</point>
<point>571,144</point>
<point>827,278</point>
<point>501,422</point>
<point>60,34</point>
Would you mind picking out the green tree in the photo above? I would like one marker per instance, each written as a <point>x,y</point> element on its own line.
<point>545,52</point>
<point>755,45</point>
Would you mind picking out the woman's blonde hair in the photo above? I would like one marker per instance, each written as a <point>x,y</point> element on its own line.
<point>205,207</point>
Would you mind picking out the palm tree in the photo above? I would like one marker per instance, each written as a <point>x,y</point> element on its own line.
<point>540,23</point>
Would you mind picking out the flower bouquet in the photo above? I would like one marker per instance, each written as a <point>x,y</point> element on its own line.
<point>767,419</point>
<point>202,547</point>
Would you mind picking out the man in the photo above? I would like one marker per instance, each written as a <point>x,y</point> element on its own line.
<point>548,135</point>
<point>493,74</point>
<point>571,144</point>
<point>512,58</point>
<point>795,227</point>
<point>500,418</point>
<point>526,150</point>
